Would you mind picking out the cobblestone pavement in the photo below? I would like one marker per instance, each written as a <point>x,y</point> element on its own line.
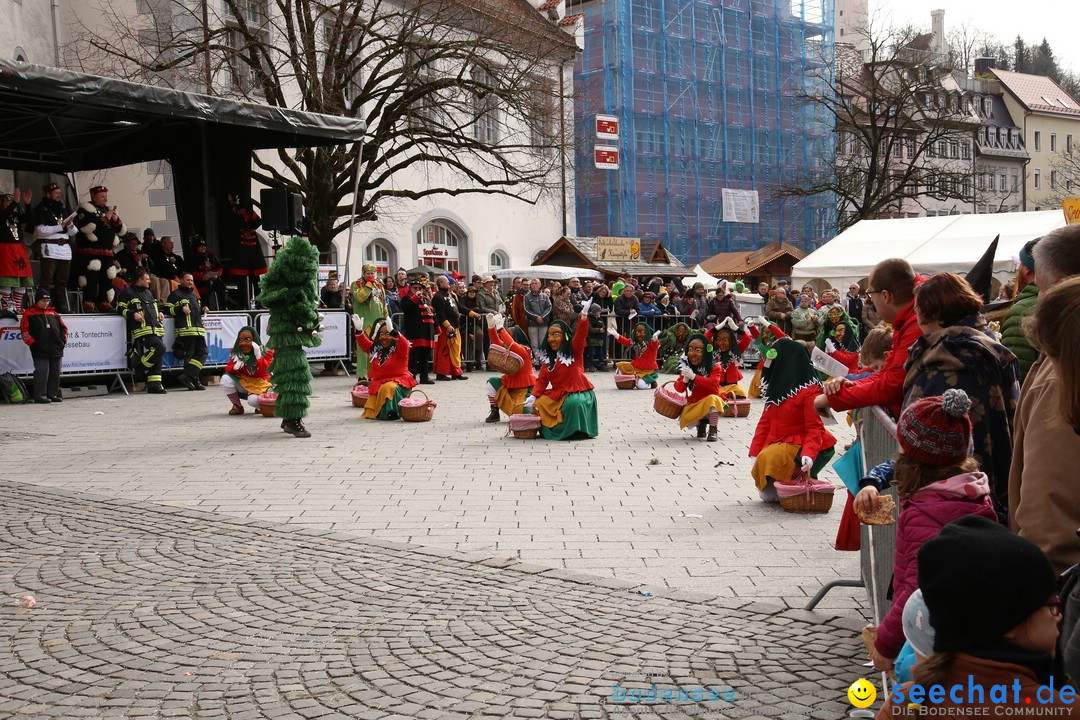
<point>644,502</point>
<point>155,611</point>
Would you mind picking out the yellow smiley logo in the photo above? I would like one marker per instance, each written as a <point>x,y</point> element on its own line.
<point>862,693</point>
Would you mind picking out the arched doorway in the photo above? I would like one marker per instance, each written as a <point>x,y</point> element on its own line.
<point>382,255</point>
<point>441,244</point>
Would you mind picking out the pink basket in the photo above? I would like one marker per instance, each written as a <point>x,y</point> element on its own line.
<point>359,395</point>
<point>413,409</point>
<point>267,404</point>
<point>524,426</point>
<point>625,382</point>
<point>668,402</point>
<point>805,495</point>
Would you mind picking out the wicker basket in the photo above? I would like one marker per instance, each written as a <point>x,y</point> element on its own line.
<point>502,360</point>
<point>805,495</point>
<point>625,382</point>
<point>737,407</point>
<point>668,403</point>
<point>524,426</point>
<point>416,410</point>
<point>267,404</point>
<point>359,394</point>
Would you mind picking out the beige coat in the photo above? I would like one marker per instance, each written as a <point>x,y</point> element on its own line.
<point>1044,482</point>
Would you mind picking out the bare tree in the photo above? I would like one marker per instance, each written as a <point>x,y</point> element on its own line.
<point>902,138</point>
<point>967,42</point>
<point>459,96</point>
<point>1065,174</point>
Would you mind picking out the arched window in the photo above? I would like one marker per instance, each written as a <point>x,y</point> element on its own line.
<point>438,245</point>
<point>498,260</point>
<point>380,253</point>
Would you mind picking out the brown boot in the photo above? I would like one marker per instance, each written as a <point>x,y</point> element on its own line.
<point>702,424</point>
<point>493,416</point>
<point>237,408</point>
<point>712,434</point>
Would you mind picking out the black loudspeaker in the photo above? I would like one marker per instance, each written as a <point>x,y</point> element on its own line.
<point>281,210</point>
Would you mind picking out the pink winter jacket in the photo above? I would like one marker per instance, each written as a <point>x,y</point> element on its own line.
<point>921,517</point>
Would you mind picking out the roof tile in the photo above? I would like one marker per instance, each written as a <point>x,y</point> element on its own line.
<point>1038,92</point>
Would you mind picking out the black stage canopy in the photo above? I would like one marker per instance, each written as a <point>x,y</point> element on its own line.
<point>58,121</point>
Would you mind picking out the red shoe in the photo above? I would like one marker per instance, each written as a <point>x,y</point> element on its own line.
<point>89,307</point>
<point>105,307</point>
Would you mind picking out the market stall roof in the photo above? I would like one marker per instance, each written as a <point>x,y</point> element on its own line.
<point>646,257</point>
<point>61,121</point>
<point>550,272</point>
<point>952,243</point>
<point>741,264</point>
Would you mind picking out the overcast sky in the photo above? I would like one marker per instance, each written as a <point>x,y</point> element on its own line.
<point>1032,20</point>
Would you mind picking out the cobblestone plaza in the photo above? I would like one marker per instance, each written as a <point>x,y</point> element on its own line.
<point>190,564</point>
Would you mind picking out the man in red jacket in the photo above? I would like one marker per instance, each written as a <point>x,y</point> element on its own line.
<point>891,285</point>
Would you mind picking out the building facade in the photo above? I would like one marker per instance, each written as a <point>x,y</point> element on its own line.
<point>707,97</point>
<point>468,233</point>
<point>1048,120</point>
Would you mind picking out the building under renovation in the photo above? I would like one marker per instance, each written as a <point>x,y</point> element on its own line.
<point>708,103</point>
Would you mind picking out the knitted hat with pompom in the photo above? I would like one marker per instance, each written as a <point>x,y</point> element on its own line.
<point>937,430</point>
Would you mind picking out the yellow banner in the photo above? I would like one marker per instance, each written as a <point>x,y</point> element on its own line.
<point>617,248</point>
<point>1071,206</point>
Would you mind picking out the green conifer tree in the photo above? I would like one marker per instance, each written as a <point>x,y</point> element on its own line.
<point>289,293</point>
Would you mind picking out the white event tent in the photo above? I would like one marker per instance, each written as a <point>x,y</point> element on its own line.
<point>952,243</point>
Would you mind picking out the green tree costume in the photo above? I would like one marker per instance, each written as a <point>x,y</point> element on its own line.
<point>289,293</point>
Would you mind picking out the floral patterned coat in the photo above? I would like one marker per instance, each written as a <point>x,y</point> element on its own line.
<point>967,357</point>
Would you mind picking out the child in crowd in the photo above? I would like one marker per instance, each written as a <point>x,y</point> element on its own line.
<point>596,352</point>
<point>874,352</point>
<point>643,349</point>
<point>938,481</point>
<point>990,596</point>
<point>247,374</point>
<point>729,343</point>
<point>45,332</point>
<point>790,434</point>
<point>698,374</point>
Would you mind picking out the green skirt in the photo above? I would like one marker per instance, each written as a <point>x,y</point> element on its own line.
<point>580,418</point>
<point>651,377</point>
<point>390,409</point>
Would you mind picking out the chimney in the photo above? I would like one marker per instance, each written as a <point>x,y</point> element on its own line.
<point>983,65</point>
<point>937,26</point>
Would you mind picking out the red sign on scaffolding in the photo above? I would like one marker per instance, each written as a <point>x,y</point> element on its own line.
<point>606,157</point>
<point>607,127</point>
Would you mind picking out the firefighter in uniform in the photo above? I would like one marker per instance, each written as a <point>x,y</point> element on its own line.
<point>99,234</point>
<point>145,322</point>
<point>189,343</point>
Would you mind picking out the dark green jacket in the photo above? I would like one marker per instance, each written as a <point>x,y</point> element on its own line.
<point>1012,331</point>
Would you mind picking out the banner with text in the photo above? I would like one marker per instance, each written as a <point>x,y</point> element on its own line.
<point>221,332</point>
<point>337,329</point>
<point>740,206</point>
<point>96,343</point>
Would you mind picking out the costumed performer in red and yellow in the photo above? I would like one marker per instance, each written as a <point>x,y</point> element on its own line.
<point>562,396</point>
<point>388,368</point>
<point>247,374</point>
<point>509,392</point>
<point>790,434</point>
<point>698,374</point>
<point>729,343</point>
<point>643,349</point>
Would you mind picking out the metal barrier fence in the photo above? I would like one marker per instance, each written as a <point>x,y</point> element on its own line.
<point>877,548</point>
<point>878,542</point>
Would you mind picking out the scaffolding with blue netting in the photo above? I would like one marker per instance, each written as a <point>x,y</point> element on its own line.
<point>709,95</point>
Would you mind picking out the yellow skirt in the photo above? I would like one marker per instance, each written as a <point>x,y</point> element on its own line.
<point>511,401</point>
<point>694,412</point>
<point>375,402</point>
<point>776,461</point>
<point>253,385</point>
<point>627,369</point>
<point>550,411</point>
<point>734,389</point>
<point>755,384</point>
